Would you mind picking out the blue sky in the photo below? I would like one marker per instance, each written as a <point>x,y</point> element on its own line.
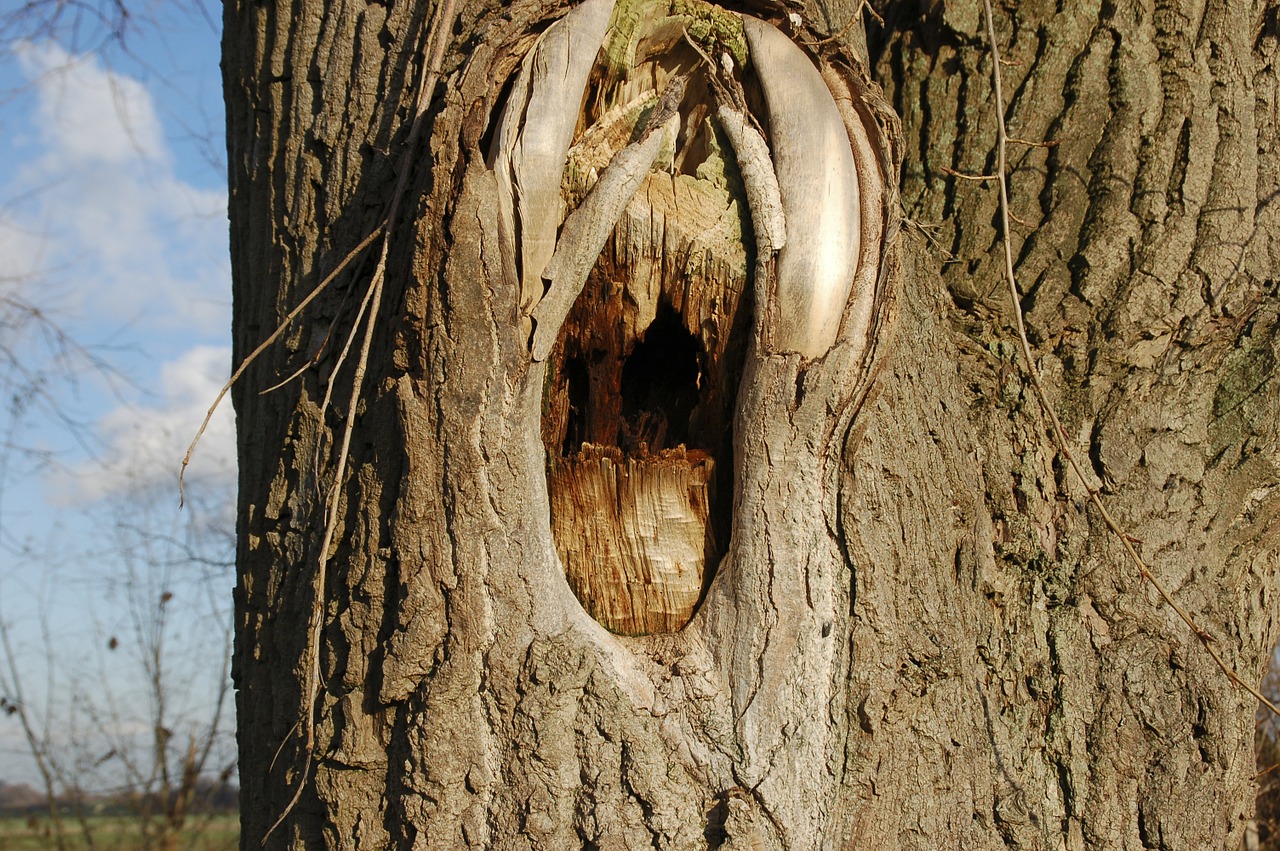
<point>113,224</point>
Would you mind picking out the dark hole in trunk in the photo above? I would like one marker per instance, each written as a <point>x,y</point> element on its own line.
<point>576,386</point>
<point>660,380</point>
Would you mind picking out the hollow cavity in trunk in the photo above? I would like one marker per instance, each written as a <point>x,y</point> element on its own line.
<point>638,406</point>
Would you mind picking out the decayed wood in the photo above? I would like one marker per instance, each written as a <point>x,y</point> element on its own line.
<point>634,534</point>
<point>677,249</point>
<point>673,248</point>
<point>586,230</point>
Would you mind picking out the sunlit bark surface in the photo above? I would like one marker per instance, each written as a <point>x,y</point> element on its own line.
<point>918,635</point>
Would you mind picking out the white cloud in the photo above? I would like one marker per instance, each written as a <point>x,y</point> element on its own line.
<point>144,446</point>
<point>131,240</point>
<point>21,254</point>
<point>98,226</point>
<point>89,114</point>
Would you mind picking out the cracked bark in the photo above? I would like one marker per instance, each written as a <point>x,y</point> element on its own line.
<point>976,665</point>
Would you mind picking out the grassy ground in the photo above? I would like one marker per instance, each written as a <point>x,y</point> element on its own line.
<point>117,833</point>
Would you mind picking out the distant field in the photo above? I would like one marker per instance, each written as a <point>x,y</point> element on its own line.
<point>117,833</point>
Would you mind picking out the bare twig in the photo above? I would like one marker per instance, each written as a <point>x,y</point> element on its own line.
<point>1060,437</point>
<point>293,376</point>
<point>266,344</point>
<point>322,444</point>
<point>980,178</point>
<point>1026,224</point>
<point>315,357</point>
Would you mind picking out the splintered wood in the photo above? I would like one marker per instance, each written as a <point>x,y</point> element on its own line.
<point>638,531</point>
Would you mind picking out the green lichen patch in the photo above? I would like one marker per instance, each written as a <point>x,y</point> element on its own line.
<point>712,28</point>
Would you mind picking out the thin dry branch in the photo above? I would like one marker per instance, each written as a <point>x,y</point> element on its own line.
<point>1026,224</point>
<point>293,376</point>
<point>266,344</point>
<point>322,444</point>
<point>1048,143</point>
<point>980,178</point>
<point>317,355</point>
<point>1060,437</point>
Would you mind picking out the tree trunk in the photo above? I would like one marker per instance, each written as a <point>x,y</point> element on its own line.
<point>918,634</point>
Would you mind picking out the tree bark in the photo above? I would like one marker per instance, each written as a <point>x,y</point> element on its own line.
<point>921,635</point>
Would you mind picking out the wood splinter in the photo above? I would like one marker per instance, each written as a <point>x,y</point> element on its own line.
<point>759,180</point>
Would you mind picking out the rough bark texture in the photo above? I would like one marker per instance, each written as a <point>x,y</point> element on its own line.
<point>920,636</point>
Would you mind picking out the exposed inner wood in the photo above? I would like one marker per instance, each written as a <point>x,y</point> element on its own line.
<point>638,408</point>
<point>636,532</point>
